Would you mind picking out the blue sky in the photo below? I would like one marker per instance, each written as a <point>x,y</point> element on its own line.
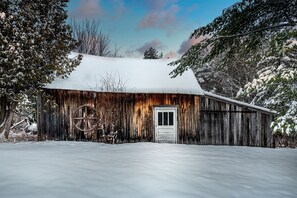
<point>136,25</point>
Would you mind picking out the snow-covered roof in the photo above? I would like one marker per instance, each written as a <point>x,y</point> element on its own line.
<point>137,76</point>
<point>209,94</point>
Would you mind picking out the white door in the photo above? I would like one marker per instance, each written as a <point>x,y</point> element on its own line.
<point>165,124</point>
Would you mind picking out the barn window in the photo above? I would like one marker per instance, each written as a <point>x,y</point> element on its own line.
<point>160,118</point>
<point>165,118</point>
<point>170,118</point>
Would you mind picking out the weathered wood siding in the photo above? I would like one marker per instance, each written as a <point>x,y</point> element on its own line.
<point>201,119</point>
<point>225,123</point>
<point>129,112</point>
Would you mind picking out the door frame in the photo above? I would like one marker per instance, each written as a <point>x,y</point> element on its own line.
<point>166,108</point>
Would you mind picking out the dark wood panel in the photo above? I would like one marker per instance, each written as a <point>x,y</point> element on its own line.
<point>230,124</point>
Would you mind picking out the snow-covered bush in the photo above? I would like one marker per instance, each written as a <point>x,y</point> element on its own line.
<point>287,123</point>
<point>26,108</point>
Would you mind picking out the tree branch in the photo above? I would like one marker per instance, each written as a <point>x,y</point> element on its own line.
<point>257,30</point>
<point>290,20</point>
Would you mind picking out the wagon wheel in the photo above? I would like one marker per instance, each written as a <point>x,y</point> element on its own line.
<point>85,118</point>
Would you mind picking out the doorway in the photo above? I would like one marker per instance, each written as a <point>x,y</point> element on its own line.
<point>165,124</point>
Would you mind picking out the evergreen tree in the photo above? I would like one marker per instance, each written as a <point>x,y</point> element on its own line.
<point>242,31</point>
<point>34,49</point>
<point>161,55</point>
<point>276,84</point>
<point>260,37</point>
<point>152,53</point>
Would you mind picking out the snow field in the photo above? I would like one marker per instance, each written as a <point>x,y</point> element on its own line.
<point>86,169</point>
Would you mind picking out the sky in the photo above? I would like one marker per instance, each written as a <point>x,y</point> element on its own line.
<point>136,25</point>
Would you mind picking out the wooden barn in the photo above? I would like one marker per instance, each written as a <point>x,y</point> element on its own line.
<point>140,101</point>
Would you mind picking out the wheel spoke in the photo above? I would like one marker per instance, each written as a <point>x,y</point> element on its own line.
<point>89,126</point>
<point>93,118</point>
<point>79,118</point>
<point>78,123</point>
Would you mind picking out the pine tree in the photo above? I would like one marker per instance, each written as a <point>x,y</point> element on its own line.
<point>35,47</point>
<point>259,37</point>
<point>276,84</point>
<point>242,31</point>
<point>152,53</point>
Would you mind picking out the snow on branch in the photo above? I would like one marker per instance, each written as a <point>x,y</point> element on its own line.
<point>256,31</point>
<point>2,15</point>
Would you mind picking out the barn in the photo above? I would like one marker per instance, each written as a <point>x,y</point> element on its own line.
<point>138,100</point>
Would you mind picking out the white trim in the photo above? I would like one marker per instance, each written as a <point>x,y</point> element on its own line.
<point>238,102</point>
<point>174,127</point>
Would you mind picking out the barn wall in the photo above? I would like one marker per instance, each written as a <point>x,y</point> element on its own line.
<point>132,114</point>
<point>226,123</point>
<point>201,119</point>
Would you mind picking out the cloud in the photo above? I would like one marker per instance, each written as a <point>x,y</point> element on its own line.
<point>158,4</point>
<point>171,54</point>
<point>185,45</point>
<point>88,8</point>
<point>164,19</point>
<point>95,9</point>
<point>156,44</point>
<point>119,8</point>
<point>161,15</point>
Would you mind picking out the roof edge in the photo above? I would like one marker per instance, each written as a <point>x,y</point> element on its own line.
<point>209,94</point>
<point>136,91</point>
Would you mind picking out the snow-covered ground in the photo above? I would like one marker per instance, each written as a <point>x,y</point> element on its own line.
<point>86,169</point>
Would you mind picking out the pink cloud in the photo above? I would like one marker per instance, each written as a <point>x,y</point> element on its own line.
<point>171,54</point>
<point>162,17</point>
<point>158,4</point>
<point>185,45</point>
<point>88,8</point>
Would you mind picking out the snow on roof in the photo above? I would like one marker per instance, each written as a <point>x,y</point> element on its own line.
<point>238,102</point>
<point>137,76</point>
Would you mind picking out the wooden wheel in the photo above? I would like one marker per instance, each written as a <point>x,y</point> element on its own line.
<point>85,118</point>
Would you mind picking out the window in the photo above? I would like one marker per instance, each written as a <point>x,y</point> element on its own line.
<point>160,118</point>
<point>165,119</point>
<point>170,118</point>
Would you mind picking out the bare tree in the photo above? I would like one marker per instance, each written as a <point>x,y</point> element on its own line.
<point>109,82</point>
<point>91,39</point>
<point>115,52</point>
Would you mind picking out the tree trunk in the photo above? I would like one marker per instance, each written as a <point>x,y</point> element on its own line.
<point>3,112</point>
<point>6,115</point>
